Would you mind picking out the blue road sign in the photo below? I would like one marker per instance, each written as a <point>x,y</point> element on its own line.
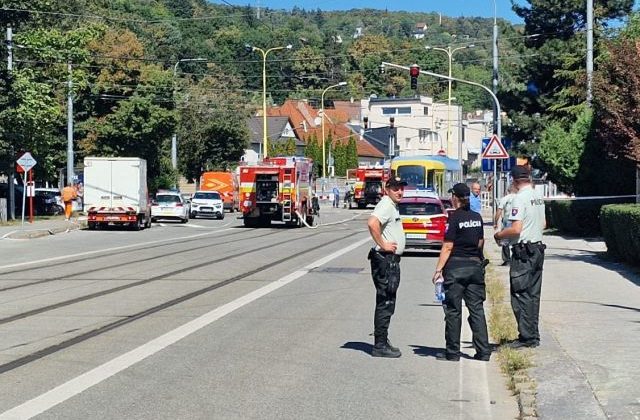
<point>504,165</point>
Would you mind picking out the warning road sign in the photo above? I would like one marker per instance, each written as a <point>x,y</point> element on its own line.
<point>26,162</point>
<point>495,149</point>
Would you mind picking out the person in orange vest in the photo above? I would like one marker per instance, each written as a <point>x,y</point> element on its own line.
<point>69,193</point>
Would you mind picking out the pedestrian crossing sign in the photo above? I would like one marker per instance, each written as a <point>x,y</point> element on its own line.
<point>495,149</point>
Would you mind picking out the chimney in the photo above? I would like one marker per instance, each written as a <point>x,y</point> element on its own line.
<point>366,123</point>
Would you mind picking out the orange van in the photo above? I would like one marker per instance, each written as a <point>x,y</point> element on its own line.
<point>226,184</point>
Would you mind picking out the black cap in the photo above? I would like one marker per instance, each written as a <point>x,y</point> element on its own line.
<point>395,182</point>
<point>460,190</point>
<point>520,172</point>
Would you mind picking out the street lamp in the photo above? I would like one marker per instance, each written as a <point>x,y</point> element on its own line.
<point>174,138</point>
<point>324,160</point>
<point>264,90</point>
<point>449,53</point>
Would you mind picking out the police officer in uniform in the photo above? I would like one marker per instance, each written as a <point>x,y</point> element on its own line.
<point>527,256</point>
<point>385,227</point>
<point>461,263</point>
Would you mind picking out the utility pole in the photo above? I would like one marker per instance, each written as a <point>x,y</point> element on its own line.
<point>496,110</point>
<point>589,51</point>
<point>11,204</point>
<point>70,174</point>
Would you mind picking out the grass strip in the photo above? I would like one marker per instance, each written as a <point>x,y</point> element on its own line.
<point>502,327</point>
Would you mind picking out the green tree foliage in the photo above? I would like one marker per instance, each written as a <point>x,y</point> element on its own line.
<point>561,150</point>
<point>313,150</point>
<point>282,148</point>
<point>617,95</point>
<point>138,127</point>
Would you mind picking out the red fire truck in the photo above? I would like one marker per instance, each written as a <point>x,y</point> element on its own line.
<point>276,189</point>
<point>368,188</point>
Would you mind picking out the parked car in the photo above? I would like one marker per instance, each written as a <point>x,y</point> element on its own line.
<point>207,203</point>
<point>45,203</point>
<point>54,192</point>
<point>424,220</point>
<point>169,205</point>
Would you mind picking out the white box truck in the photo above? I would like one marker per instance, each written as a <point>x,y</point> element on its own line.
<point>115,191</point>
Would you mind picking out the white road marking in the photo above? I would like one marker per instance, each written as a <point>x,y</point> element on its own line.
<point>93,377</point>
<point>81,254</point>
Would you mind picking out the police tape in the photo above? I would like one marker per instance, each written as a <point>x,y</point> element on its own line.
<point>607,197</point>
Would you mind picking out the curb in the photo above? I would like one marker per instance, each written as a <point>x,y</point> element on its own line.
<point>40,233</point>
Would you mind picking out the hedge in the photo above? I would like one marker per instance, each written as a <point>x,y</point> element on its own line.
<point>621,230</point>
<point>579,217</point>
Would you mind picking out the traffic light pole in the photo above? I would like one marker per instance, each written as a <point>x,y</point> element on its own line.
<point>495,101</point>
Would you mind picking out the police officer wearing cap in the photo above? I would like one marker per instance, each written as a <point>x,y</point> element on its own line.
<point>461,263</point>
<point>527,219</point>
<point>385,227</point>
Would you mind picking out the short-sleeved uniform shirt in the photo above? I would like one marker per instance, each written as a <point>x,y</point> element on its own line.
<point>465,230</point>
<point>387,213</point>
<point>528,207</point>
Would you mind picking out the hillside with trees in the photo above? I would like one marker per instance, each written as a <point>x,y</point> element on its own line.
<point>143,70</point>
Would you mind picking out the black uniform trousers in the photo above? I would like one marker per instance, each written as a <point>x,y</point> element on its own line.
<point>385,272</point>
<point>525,276</point>
<point>465,280</point>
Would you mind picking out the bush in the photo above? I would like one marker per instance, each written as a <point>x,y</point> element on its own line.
<point>621,230</point>
<point>579,217</point>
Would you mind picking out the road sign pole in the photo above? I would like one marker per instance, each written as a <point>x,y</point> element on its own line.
<point>24,195</point>
<point>31,192</point>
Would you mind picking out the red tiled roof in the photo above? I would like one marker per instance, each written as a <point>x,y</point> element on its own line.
<point>302,114</point>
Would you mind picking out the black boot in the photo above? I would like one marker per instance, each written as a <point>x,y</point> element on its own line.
<point>383,348</point>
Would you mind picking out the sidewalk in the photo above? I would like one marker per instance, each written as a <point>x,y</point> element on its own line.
<point>587,365</point>
<point>40,228</point>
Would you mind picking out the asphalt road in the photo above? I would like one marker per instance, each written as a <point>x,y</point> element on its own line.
<point>212,320</point>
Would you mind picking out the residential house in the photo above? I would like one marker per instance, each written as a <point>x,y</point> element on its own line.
<point>279,130</point>
<point>420,30</point>
<point>306,121</point>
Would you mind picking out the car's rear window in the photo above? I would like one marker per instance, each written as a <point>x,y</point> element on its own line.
<point>167,198</point>
<point>419,209</point>
<point>207,196</point>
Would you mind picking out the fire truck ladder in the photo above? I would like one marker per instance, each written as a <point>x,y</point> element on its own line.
<point>286,196</point>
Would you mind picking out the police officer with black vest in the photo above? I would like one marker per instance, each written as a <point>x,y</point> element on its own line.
<point>461,263</point>
<point>527,219</point>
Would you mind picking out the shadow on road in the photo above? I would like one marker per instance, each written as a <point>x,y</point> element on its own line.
<point>427,351</point>
<point>358,345</point>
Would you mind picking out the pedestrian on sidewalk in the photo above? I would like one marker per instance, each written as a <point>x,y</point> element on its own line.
<point>461,264</point>
<point>502,221</point>
<point>474,199</point>
<point>69,194</point>
<point>336,197</point>
<point>525,273</point>
<point>385,227</point>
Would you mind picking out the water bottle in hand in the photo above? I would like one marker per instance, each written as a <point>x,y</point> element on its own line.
<point>439,290</point>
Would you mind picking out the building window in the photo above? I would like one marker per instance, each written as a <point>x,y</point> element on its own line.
<point>426,110</point>
<point>403,110</point>
<point>389,111</point>
<point>423,133</point>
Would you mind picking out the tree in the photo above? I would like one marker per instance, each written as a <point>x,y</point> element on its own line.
<point>552,78</point>
<point>617,95</point>
<point>138,128</point>
<point>562,151</point>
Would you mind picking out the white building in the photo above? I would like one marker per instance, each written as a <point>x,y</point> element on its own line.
<point>422,125</point>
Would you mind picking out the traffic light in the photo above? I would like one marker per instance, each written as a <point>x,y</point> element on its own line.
<point>414,72</point>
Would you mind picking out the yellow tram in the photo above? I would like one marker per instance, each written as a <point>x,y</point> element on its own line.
<point>437,173</point>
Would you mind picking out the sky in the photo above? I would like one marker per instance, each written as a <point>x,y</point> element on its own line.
<point>451,8</point>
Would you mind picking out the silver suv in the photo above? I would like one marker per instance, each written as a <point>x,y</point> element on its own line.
<point>207,203</point>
